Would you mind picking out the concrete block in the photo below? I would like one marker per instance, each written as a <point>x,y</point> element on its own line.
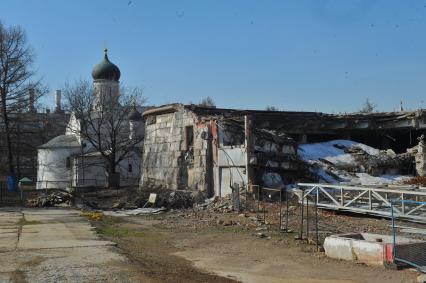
<point>421,278</point>
<point>372,249</point>
<point>338,248</point>
<point>368,252</point>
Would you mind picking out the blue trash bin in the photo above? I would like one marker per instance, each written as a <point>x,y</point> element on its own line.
<point>11,182</point>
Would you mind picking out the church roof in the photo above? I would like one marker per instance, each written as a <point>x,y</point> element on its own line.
<point>62,141</point>
<point>106,70</point>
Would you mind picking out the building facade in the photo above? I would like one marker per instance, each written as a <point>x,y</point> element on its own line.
<point>210,151</point>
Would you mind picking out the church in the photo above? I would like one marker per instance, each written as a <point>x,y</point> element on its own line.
<point>102,146</point>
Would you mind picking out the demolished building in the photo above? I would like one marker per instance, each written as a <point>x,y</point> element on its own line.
<point>207,149</point>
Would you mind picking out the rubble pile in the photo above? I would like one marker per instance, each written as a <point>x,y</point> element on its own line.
<point>131,199</point>
<point>51,199</point>
<point>174,199</point>
<point>379,163</point>
<point>219,204</point>
<point>105,199</point>
<point>179,199</point>
<point>216,204</point>
<point>345,161</point>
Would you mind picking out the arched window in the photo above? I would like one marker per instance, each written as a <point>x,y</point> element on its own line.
<point>130,168</point>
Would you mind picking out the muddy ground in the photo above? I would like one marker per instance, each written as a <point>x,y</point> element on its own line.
<point>205,246</point>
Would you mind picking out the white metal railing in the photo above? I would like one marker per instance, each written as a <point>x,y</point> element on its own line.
<point>368,200</point>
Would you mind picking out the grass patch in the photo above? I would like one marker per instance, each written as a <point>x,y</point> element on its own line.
<point>149,248</point>
<point>24,221</point>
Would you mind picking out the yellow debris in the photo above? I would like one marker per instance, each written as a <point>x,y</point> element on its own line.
<point>92,215</point>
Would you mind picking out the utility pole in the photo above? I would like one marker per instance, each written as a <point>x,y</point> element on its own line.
<point>248,146</point>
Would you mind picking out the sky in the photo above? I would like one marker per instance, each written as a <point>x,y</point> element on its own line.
<point>301,55</point>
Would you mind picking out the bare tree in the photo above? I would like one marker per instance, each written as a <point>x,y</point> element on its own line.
<point>368,107</point>
<point>271,108</point>
<point>207,102</point>
<point>16,59</point>
<point>103,124</point>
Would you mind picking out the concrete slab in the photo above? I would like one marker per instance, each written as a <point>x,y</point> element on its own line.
<point>60,247</point>
<point>50,211</point>
<point>53,231</point>
<point>8,230</point>
<point>40,244</point>
<point>58,233</point>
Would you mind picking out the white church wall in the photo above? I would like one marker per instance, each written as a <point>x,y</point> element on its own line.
<point>55,168</point>
<point>106,92</point>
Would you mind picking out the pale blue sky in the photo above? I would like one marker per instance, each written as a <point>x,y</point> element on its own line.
<point>324,55</point>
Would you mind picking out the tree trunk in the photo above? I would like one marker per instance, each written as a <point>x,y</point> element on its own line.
<point>113,178</point>
<point>9,146</point>
<point>18,151</point>
<point>8,136</point>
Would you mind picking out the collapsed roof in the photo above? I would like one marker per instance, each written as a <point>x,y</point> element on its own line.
<point>313,122</point>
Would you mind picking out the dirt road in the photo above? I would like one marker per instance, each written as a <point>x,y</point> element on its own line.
<point>232,253</point>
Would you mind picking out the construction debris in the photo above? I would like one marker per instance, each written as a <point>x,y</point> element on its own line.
<point>345,161</point>
<point>417,181</point>
<point>217,204</point>
<point>92,215</point>
<point>52,199</point>
<point>170,199</point>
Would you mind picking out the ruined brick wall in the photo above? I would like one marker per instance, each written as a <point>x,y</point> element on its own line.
<point>168,162</point>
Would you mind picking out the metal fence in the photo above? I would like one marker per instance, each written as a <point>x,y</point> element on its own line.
<point>269,207</point>
<point>24,192</point>
<point>408,238</point>
<point>11,197</point>
<point>290,212</point>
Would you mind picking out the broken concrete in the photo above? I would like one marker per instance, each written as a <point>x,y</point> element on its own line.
<point>350,162</point>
